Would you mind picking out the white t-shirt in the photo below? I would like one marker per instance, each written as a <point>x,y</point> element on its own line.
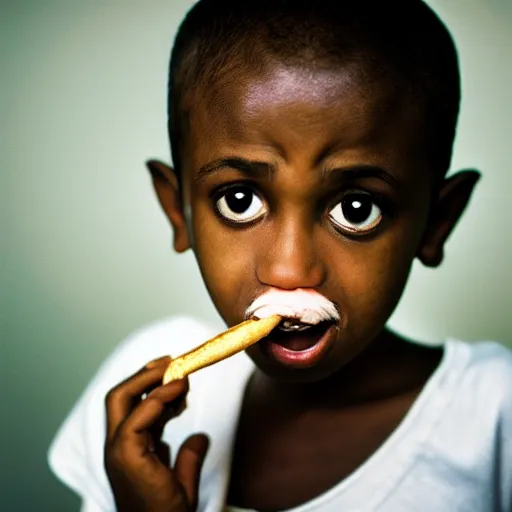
<point>451,453</point>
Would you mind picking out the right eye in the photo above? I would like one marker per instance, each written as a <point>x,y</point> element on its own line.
<point>240,204</point>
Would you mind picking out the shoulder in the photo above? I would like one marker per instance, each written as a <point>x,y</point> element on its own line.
<point>478,378</point>
<point>481,414</point>
<point>171,335</point>
<point>489,354</point>
<point>473,397</point>
<point>476,395</point>
<point>487,370</point>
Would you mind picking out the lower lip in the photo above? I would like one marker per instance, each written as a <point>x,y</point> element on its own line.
<point>301,358</point>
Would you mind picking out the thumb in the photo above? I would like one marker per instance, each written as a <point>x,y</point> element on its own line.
<point>188,465</point>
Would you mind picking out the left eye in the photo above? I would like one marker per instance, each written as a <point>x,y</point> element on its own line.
<point>356,213</point>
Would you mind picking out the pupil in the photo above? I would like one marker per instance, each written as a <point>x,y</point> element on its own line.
<point>238,201</point>
<point>356,209</point>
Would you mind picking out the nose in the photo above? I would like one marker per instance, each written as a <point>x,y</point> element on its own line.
<point>290,259</point>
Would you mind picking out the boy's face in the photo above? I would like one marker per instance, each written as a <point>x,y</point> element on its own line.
<point>305,179</point>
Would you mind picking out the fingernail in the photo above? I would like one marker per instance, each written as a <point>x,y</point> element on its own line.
<point>157,362</point>
<point>150,164</point>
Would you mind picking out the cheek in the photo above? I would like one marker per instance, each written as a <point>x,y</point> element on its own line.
<point>377,281</point>
<point>225,258</point>
<point>372,277</point>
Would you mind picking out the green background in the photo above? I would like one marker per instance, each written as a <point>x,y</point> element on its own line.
<point>86,253</point>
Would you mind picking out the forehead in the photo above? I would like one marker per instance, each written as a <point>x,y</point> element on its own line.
<point>301,112</point>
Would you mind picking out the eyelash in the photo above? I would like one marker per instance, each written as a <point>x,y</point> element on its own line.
<point>217,193</point>
<point>382,202</point>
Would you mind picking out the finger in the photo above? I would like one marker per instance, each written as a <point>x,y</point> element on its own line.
<point>148,412</point>
<point>158,361</point>
<point>121,399</point>
<point>189,463</point>
<point>134,438</point>
<point>171,410</point>
<point>155,363</point>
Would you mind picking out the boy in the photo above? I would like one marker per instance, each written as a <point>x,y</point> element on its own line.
<point>310,143</point>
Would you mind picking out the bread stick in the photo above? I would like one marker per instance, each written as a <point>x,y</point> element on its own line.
<point>220,347</point>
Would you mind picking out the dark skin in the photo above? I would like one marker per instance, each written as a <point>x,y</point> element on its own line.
<point>136,461</point>
<point>298,124</point>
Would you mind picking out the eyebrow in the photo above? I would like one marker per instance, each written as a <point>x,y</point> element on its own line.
<point>257,169</point>
<point>252,168</point>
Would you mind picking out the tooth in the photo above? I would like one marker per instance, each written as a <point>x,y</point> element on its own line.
<point>293,325</point>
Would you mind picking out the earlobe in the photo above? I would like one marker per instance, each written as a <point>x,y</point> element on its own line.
<point>452,200</point>
<point>166,187</point>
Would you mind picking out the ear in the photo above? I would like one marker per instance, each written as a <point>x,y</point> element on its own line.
<point>166,187</point>
<point>446,210</point>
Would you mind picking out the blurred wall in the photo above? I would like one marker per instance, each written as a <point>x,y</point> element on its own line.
<point>86,253</point>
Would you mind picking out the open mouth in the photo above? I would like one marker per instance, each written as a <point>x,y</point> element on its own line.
<point>298,344</point>
<point>297,336</point>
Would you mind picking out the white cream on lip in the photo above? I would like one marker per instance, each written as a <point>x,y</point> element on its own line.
<point>307,306</point>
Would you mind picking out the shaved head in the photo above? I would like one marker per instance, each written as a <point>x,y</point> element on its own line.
<point>399,43</point>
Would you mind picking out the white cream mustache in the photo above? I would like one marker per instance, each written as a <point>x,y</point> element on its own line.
<point>309,307</point>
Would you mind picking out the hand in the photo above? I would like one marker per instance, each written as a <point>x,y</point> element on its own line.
<point>136,460</point>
